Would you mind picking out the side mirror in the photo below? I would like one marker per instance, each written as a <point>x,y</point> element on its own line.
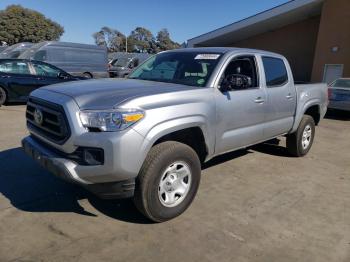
<point>225,86</point>
<point>136,63</point>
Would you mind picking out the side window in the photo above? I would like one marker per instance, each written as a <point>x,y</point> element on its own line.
<point>45,70</point>
<point>15,67</point>
<point>275,71</point>
<point>40,55</point>
<point>241,73</point>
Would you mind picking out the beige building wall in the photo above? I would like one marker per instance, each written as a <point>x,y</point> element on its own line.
<point>296,42</point>
<point>334,31</point>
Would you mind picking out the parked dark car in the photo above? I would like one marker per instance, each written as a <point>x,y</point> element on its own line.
<point>19,77</point>
<point>339,94</point>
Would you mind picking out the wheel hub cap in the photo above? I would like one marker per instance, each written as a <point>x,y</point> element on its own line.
<point>174,184</point>
<point>306,138</point>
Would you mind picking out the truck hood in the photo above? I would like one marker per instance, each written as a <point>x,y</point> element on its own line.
<point>109,93</point>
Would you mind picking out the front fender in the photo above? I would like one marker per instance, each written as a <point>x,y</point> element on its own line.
<point>167,127</point>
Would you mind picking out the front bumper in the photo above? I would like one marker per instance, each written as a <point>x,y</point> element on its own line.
<point>67,170</point>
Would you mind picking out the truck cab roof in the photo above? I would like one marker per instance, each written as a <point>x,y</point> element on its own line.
<point>224,50</point>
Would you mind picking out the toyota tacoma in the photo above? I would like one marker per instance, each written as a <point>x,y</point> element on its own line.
<point>147,136</point>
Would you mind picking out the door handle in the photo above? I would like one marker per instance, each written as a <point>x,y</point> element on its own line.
<point>259,100</point>
<point>289,96</point>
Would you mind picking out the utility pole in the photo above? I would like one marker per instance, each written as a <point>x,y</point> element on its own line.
<point>126,43</point>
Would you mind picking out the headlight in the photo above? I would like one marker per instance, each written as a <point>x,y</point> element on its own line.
<point>110,120</point>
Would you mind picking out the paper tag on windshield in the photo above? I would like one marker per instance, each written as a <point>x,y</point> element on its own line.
<point>207,56</point>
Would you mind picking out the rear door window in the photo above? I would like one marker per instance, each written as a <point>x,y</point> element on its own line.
<point>275,71</point>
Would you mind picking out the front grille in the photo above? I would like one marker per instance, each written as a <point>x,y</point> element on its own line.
<point>53,125</point>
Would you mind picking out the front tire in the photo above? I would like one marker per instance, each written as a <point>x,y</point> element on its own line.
<point>168,181</point>
<point>300,142</point>
<point>88,75</point>
<point>3,96</point>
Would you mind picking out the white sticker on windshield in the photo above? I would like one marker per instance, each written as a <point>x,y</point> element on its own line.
<point>207,56</point>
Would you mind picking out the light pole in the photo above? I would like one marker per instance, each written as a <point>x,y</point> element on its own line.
<point>126,43</point>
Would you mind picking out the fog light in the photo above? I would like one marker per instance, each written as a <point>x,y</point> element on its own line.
<point>93,156</point>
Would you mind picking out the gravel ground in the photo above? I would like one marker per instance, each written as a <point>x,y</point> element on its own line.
<point>257,204</point>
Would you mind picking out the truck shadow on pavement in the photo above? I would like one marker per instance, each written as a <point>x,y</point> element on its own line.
<point>30,188</point>
<point>271,147</point>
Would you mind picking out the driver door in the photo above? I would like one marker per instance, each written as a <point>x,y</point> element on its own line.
<point>46,74</point>
<point>240,112</point>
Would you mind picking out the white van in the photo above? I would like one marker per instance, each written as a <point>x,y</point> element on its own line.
<point>77,59</point>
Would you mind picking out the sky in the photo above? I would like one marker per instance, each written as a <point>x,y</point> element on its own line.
<point>184,19</point>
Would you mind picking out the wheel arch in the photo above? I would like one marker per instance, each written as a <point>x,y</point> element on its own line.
<point>192,132</point>
<point>88,73</point>
<point>6,92</point>
<point>311,108</point>
<point>191,136</point>
<point>315,112</point>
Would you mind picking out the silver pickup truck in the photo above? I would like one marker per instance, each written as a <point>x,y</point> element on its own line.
<point>146,136</point>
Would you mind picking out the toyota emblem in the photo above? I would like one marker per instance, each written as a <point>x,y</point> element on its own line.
<point>38,116</point>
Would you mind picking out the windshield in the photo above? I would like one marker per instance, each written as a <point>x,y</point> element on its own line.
<point>15,50</point>
<point>342,83</point>
<point>6,53</point>
<point>28,54</point>
<point>187,68</point>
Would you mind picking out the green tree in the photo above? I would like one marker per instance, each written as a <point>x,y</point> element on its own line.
<point>111,38</point>
<point>164,41</point>
<point>141,40</point>
<point>18,24</point>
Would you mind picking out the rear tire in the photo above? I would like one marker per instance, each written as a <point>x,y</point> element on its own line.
<point>168,181</point>
<point>87,75</point>
<point>3,96</point>
<point>300,142</point>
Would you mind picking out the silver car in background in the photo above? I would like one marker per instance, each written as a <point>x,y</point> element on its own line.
<point>124,63</point>
<point>85,60</point>
<point>339,94</point>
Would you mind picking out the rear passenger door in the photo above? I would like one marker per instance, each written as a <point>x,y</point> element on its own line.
<point>281,97</point>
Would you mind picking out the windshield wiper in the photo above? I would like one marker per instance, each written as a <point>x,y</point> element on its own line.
<point>152,79</point>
